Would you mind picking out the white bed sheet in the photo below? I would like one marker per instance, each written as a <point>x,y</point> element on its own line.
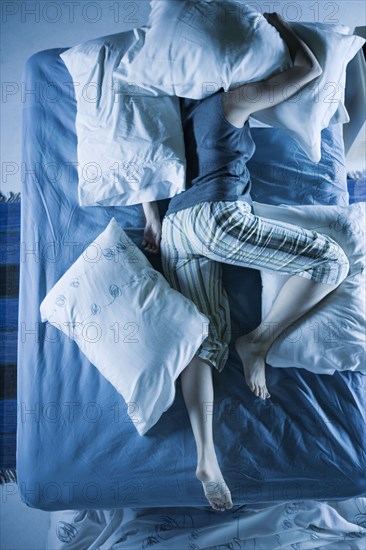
<point>296,525</point>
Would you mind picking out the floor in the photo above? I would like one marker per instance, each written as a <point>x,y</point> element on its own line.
<point>21,527</point>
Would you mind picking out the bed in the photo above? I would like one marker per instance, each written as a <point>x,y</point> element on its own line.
<point>77,449</point>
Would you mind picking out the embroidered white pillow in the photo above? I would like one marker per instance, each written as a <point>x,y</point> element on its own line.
<point>138,331</point>
<point>331,337</point>
<point>130,144</point>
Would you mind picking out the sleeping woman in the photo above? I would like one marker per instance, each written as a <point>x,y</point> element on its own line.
<point>212,222</point>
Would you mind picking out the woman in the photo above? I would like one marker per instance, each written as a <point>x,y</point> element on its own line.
<point>212,222</point>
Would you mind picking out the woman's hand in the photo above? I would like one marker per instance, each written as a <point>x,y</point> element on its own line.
<point>152,237</point>
<point>152,231</point>
<point>272,18</point>
<point>278,87</point>
<point>300,53</point>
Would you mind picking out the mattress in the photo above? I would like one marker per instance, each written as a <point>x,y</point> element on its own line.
<point>76,446</point>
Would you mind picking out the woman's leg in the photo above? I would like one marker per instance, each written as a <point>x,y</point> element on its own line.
<point>197,388</point>
<point>199,279</point>
<point>297,296</point>
<point>232,234</point>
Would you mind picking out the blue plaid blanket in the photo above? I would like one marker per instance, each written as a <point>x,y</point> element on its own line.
<point>9,284</point>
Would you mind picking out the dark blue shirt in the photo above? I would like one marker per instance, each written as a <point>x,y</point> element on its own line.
<point>216,155</point>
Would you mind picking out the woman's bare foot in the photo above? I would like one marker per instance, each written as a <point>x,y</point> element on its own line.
<point>214,486</point>
<point>253,357</point>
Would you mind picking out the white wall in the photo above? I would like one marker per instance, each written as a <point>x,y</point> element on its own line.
<point>30,26</point>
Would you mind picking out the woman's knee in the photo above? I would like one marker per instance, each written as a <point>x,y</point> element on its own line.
<point>344,263</point>
<point>340,258</point>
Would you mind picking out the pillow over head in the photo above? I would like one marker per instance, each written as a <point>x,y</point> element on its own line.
<point>331,337</point>
<point>192,48</point>
<point>123,315</point>
<point>130,143</point>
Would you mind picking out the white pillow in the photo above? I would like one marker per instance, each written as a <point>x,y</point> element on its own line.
<point>191,48</point>
<point>130,144</point>
<point>320,102</point>
<point>331,337</point>
<point>125,318</point>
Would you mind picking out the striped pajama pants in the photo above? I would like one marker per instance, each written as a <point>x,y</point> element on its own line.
<point>197,240</point>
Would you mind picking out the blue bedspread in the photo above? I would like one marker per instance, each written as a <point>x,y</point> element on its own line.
<point>76,446</point>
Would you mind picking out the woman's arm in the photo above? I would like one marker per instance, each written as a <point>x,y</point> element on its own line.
<point>152,232</point>
<point>239,103</point>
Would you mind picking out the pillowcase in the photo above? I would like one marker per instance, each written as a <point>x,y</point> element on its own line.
<point>317,104</point>
<point>192,48</point>
<point>281,173</point>
<point>130,144</point>
<point>125,318</point>
<point>331,337</point>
